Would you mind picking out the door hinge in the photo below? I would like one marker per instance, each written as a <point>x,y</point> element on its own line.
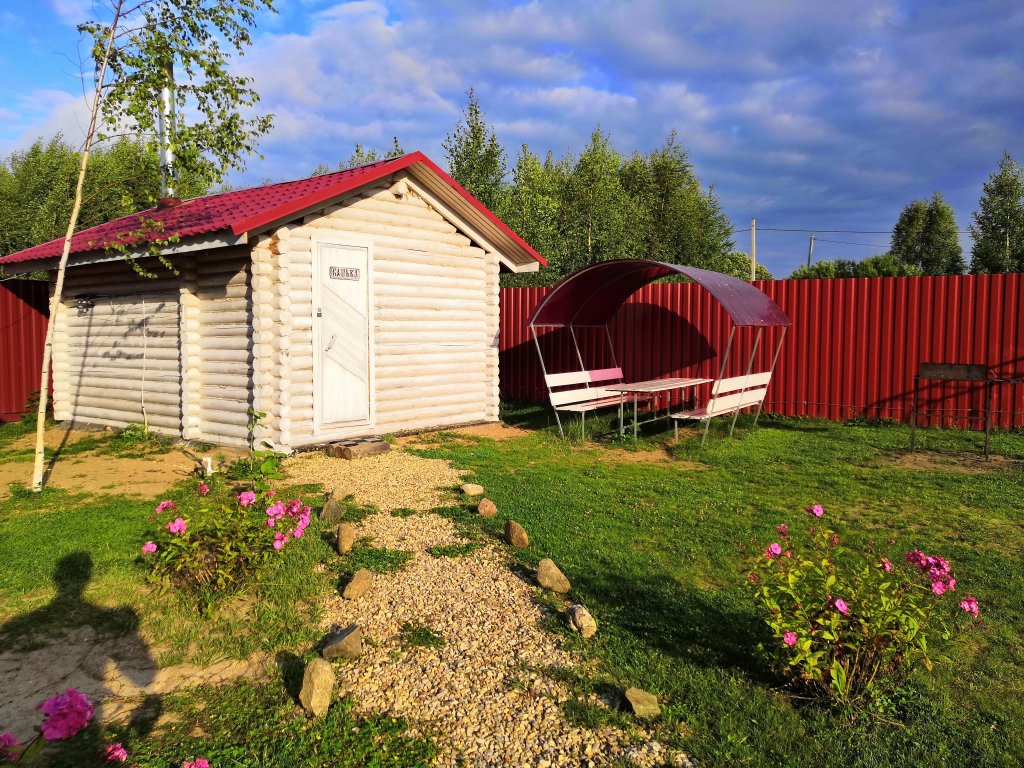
<point>319,313</point>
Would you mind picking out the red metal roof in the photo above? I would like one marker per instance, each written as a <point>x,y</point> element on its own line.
<point>594,294</point>
<point>246,210</point>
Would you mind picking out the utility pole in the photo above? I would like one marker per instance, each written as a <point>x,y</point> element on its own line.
<point>753,250</point>
<point>810,252</point>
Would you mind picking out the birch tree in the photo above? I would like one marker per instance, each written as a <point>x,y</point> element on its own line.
<point>137,47</point>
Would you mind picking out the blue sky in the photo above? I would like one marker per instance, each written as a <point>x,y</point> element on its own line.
<point>802,114</point>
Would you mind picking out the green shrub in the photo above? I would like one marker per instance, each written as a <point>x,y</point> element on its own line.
<point>377,559</point>
<point>213,545</point>
<point>415,635</point>
<point>847,625</point>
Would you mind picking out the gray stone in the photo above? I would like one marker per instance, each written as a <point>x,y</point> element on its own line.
<point>580,620</point>
<point>318,683</point>
<point>333,511</point>
<point>346,537</point>
<point>344,643</point>
<point>472,489</point>
<point>515,534</point>
<point>357,587</point>
<point>549,577</point>
<point>487,508</point>
<point>642,703</point>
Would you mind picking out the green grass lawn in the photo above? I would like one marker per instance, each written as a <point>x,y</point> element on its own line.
<point>653,550</point>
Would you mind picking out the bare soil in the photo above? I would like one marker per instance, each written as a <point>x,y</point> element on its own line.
<point>966,463</point>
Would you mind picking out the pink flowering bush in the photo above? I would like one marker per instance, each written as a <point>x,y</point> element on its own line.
<point>216,540</point>
<point>846,624</point>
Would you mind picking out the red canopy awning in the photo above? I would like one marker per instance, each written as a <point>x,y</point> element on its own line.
<point>595,293</point>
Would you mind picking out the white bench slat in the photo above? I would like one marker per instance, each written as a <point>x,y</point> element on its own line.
<point>569,396</point>
<point>723,386</point>
<point>565,379</point>
<point>725,404</point>
<point>591,405</point>
<point>582,377</point>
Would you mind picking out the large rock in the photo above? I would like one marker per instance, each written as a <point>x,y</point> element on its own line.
<point>472,489</point>
<point>318,683</point>
<point>487,508</point>
<point>549,577</point>
<point>515,534</point>
<point>333,510</point>
<point>580,620</point>
<point>357,587</point>
<point>344,643</point>
<point>642,703</point>
<point>346,538</point>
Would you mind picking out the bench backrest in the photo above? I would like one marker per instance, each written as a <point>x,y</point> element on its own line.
<point>736,401</point>
<point>750,381</point>
<point>568,396</point>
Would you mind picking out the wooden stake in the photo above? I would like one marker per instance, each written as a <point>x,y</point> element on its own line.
<point>753,250</point>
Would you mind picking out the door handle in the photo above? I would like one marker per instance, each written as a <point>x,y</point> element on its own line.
<point>330,344</point>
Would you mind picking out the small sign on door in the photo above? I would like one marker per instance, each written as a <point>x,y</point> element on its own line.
<point>343,273</point>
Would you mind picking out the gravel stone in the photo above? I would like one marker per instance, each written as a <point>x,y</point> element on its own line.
<point>472,489</point>
<point>346,538</point>
<point>344,643</point>
<point>358,586</point>
<point>642,703</point>
<point>515,534</point>
<point>318,683</point>
<point>580,620</point>
<point>550,577</point>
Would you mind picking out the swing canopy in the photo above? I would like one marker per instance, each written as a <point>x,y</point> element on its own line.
<point>592,296</point>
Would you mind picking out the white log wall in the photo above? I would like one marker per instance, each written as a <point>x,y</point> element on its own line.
<point>119,362</point>
<point>434,314</point>
<point>219,376</point>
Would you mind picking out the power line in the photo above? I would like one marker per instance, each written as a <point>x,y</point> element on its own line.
<point>846,242</point>
<point>833,231</point>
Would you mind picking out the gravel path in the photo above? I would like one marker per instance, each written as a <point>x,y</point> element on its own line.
<point>484,694</point>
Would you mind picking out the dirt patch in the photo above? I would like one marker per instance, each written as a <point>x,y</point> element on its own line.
<point>116,672</point>
<point>91,473</point>
<point>971,464</point>
<point>463,435</point>
<point>493,431</point>
<point>393,480</point>
<point>53,439</point>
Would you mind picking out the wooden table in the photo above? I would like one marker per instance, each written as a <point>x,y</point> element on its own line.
<point>654,387</point>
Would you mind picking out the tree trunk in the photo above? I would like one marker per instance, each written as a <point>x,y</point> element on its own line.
<point>44,378</point>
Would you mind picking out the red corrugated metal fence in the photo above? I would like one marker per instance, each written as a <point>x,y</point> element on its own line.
<point>852,351</point>
<point>23,311</point>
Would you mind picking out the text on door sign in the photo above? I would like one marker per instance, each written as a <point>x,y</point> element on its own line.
<point>344,273</point>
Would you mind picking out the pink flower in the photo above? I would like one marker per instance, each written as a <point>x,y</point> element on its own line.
<point>163,506</point>
<point>752,578</point>
<point>775,548</point>
<point>886,564</point>
<point>789,638</point>
<point>177,525</point>
<point>970,605</point>
<point>788,553</point>
<point>833,539</point>
<point>8,747</point>
<point>201,762</point>
<point>116,753</point>
<point>842,607</point>
<point>939,587</point>
<point>782,529</point>
<point>247,498</point>
<point>148,548</point>
<point>66,714</point>
<point>817,510</point>
<point>280,539</point>
<point>203,489</point>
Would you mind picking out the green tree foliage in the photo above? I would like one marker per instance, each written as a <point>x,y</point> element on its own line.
<point>37,188</point>
<point>736,264</point>
<point>881,265</point>
<point>475,157</point>
<point>926,235</point>
<point>364,156</point>
<point>187,44</point>
<point>998,224</point>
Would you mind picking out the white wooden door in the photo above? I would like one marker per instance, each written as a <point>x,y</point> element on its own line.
<point>343,337</point>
